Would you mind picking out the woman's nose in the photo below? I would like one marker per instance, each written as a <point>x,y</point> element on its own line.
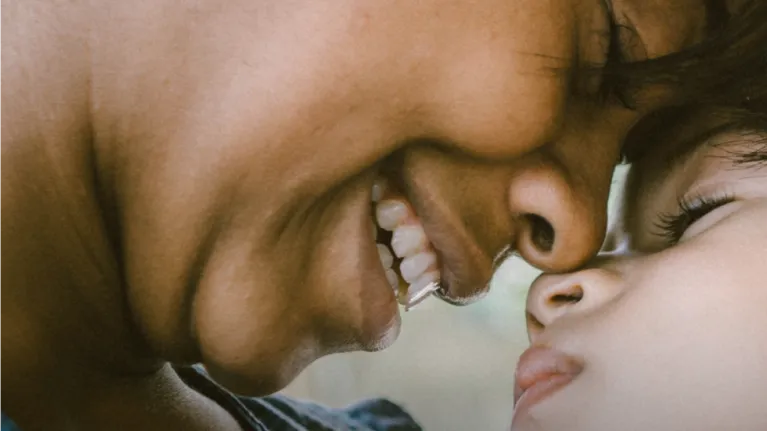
<point>553,296</point>
<point>561,220</point>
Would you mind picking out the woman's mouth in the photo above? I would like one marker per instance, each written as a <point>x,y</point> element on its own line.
<point>407,257</point>
<point>541,372</point>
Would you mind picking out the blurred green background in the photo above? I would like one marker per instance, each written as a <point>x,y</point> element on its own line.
<point>452,368</point>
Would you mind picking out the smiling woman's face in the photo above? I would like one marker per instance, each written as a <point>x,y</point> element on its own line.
<point>669,330</point>
<point>240,146</point>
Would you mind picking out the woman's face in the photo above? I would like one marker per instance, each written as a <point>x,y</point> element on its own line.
<point>669,330</point>
<point>244,187</point>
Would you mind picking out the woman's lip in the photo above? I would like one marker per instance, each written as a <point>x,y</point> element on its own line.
<point>381,321</point>
<point>541,372</point>
<point>465,269</point>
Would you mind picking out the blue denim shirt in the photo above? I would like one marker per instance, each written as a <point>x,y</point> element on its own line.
<point>7,423</point>
<point>277,412</point>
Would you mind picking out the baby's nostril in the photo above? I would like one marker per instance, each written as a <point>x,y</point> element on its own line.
<point>572,296</point>
<point>542,233</point>
<point>533,322</point>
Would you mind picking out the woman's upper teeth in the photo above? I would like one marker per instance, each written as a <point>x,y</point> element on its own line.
<point>408,240</point>
<point>379,187</point>
<point>419,266</point>
<point>421,288</point>
<point>390,213</point>
<point>413,266</point>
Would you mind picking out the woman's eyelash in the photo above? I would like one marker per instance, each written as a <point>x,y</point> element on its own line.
<point>615,85</point>
<point>616,88</point>
<point>673,225</point>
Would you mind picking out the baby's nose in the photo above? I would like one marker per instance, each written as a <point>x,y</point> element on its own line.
<point>553,296</point>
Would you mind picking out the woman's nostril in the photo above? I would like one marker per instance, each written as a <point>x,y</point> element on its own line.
<point>542,233</point>
<point>571,296</point>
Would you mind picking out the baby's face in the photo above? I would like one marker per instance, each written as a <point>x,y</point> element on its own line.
<point>668,330</point>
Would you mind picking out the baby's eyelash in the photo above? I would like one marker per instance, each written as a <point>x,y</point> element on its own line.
<point>673,225</point>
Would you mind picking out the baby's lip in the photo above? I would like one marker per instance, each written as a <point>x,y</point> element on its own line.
<point>541,372</point>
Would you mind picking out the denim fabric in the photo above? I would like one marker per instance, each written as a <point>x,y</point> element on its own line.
<point>7,423</point>
<point>280,413</point>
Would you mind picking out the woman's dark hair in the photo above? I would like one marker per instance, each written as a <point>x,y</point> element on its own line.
<point>726,72</point>
<point>728,69</point>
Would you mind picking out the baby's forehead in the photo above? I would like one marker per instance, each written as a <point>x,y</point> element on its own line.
<point>653,149</point>
<point>666,139</point>
<point>668,170</point>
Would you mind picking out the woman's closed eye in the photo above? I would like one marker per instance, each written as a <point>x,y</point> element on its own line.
<point>672,226</point>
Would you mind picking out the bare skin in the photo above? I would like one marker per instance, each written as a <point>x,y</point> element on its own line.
<point>189,182</point>
<point>672,316</point>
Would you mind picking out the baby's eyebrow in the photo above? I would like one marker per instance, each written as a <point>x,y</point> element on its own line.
<point>676,133</point>
<point>684,147</point>
<point>748,150</point>
<point>647,134</point>
<point>677,136</point>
